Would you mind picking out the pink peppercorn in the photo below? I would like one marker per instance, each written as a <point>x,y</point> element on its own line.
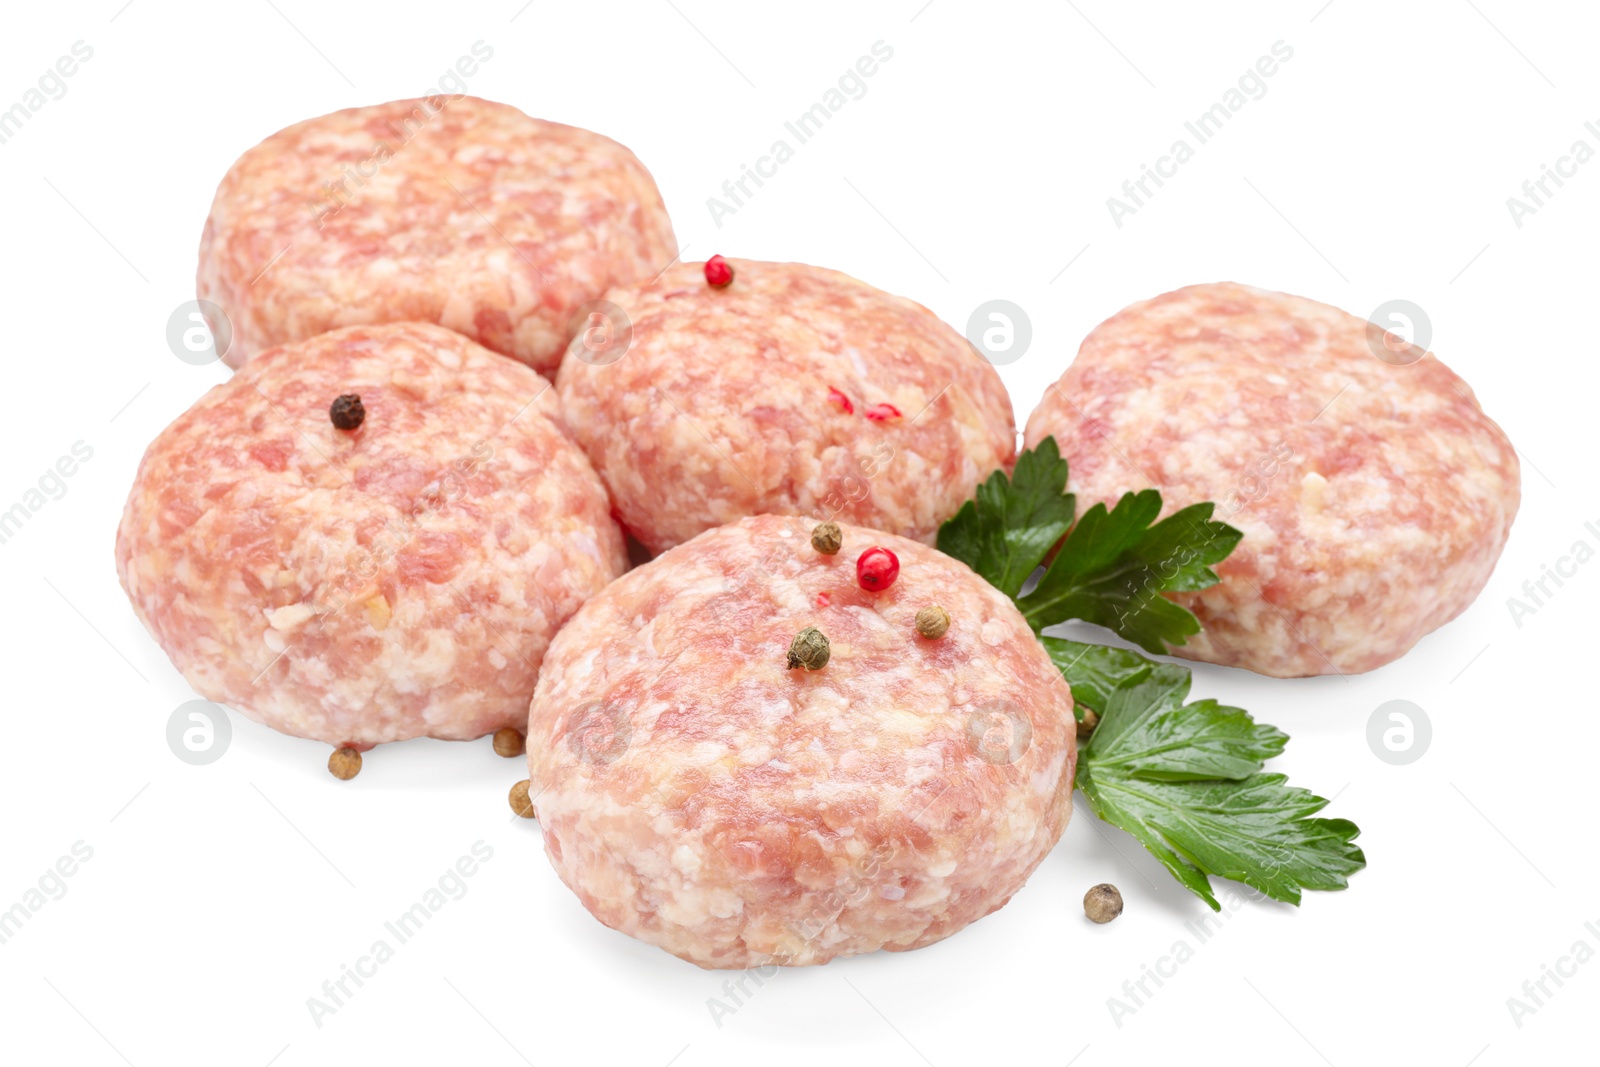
<point>718,274</point>
<point>876,569</point>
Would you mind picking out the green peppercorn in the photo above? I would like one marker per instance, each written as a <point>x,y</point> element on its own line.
<point>345,763</point>
<point>809,650</point>
<point>520,803</point>
<point>827,538</point>
<point>1102,903</point>
<point>932,622</point>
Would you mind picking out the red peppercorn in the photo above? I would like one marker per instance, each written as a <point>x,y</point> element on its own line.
<point>883,413</point>
<point>843,401</point>
<point>718,274</point>
<point>876,569</point>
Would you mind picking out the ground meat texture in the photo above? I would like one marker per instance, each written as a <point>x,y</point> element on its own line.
<point>1374,499</point>
<point>451,210</point>
<point>722,406</point>
<point>700,796</point>
<point>398,580</point>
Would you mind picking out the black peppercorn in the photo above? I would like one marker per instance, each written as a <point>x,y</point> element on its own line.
<point>347,412</point>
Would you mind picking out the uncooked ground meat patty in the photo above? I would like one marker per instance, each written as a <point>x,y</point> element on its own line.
<point>397,580</point>
<point>1374,498</point>
<point>760,399</point>
<point>698,795</point>
<point>450,210</point>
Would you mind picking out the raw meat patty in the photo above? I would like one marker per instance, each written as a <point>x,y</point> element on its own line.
<point>399,580</point>
<point>722,406</point>
<point>1374,498</point>
<point>450,210</point>
<point>698,795</point>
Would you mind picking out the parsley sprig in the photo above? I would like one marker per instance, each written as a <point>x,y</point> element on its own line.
<point>1183,777</point>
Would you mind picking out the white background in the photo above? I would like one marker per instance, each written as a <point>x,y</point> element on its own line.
<point>977,165</point>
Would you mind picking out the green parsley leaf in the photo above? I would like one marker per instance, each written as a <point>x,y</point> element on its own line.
<point>1013,524</point>
<point>1147,730</point>
<point>1186,780</point>
<point>1114,565</point>
<point>1257,831</point>
<point>1093,671</point>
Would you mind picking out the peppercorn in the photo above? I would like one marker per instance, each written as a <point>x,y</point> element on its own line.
<point>827,537</point>
<point>345,763</point>
<point>521,803</point>
<point>876,569</point>
<point>809,649</point>
<point>932,622</point>
<point>509,742</point>
<point>1087,724</point>
<point>346,412</point>
<point>719,275</point>
<point>1102,903</point>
